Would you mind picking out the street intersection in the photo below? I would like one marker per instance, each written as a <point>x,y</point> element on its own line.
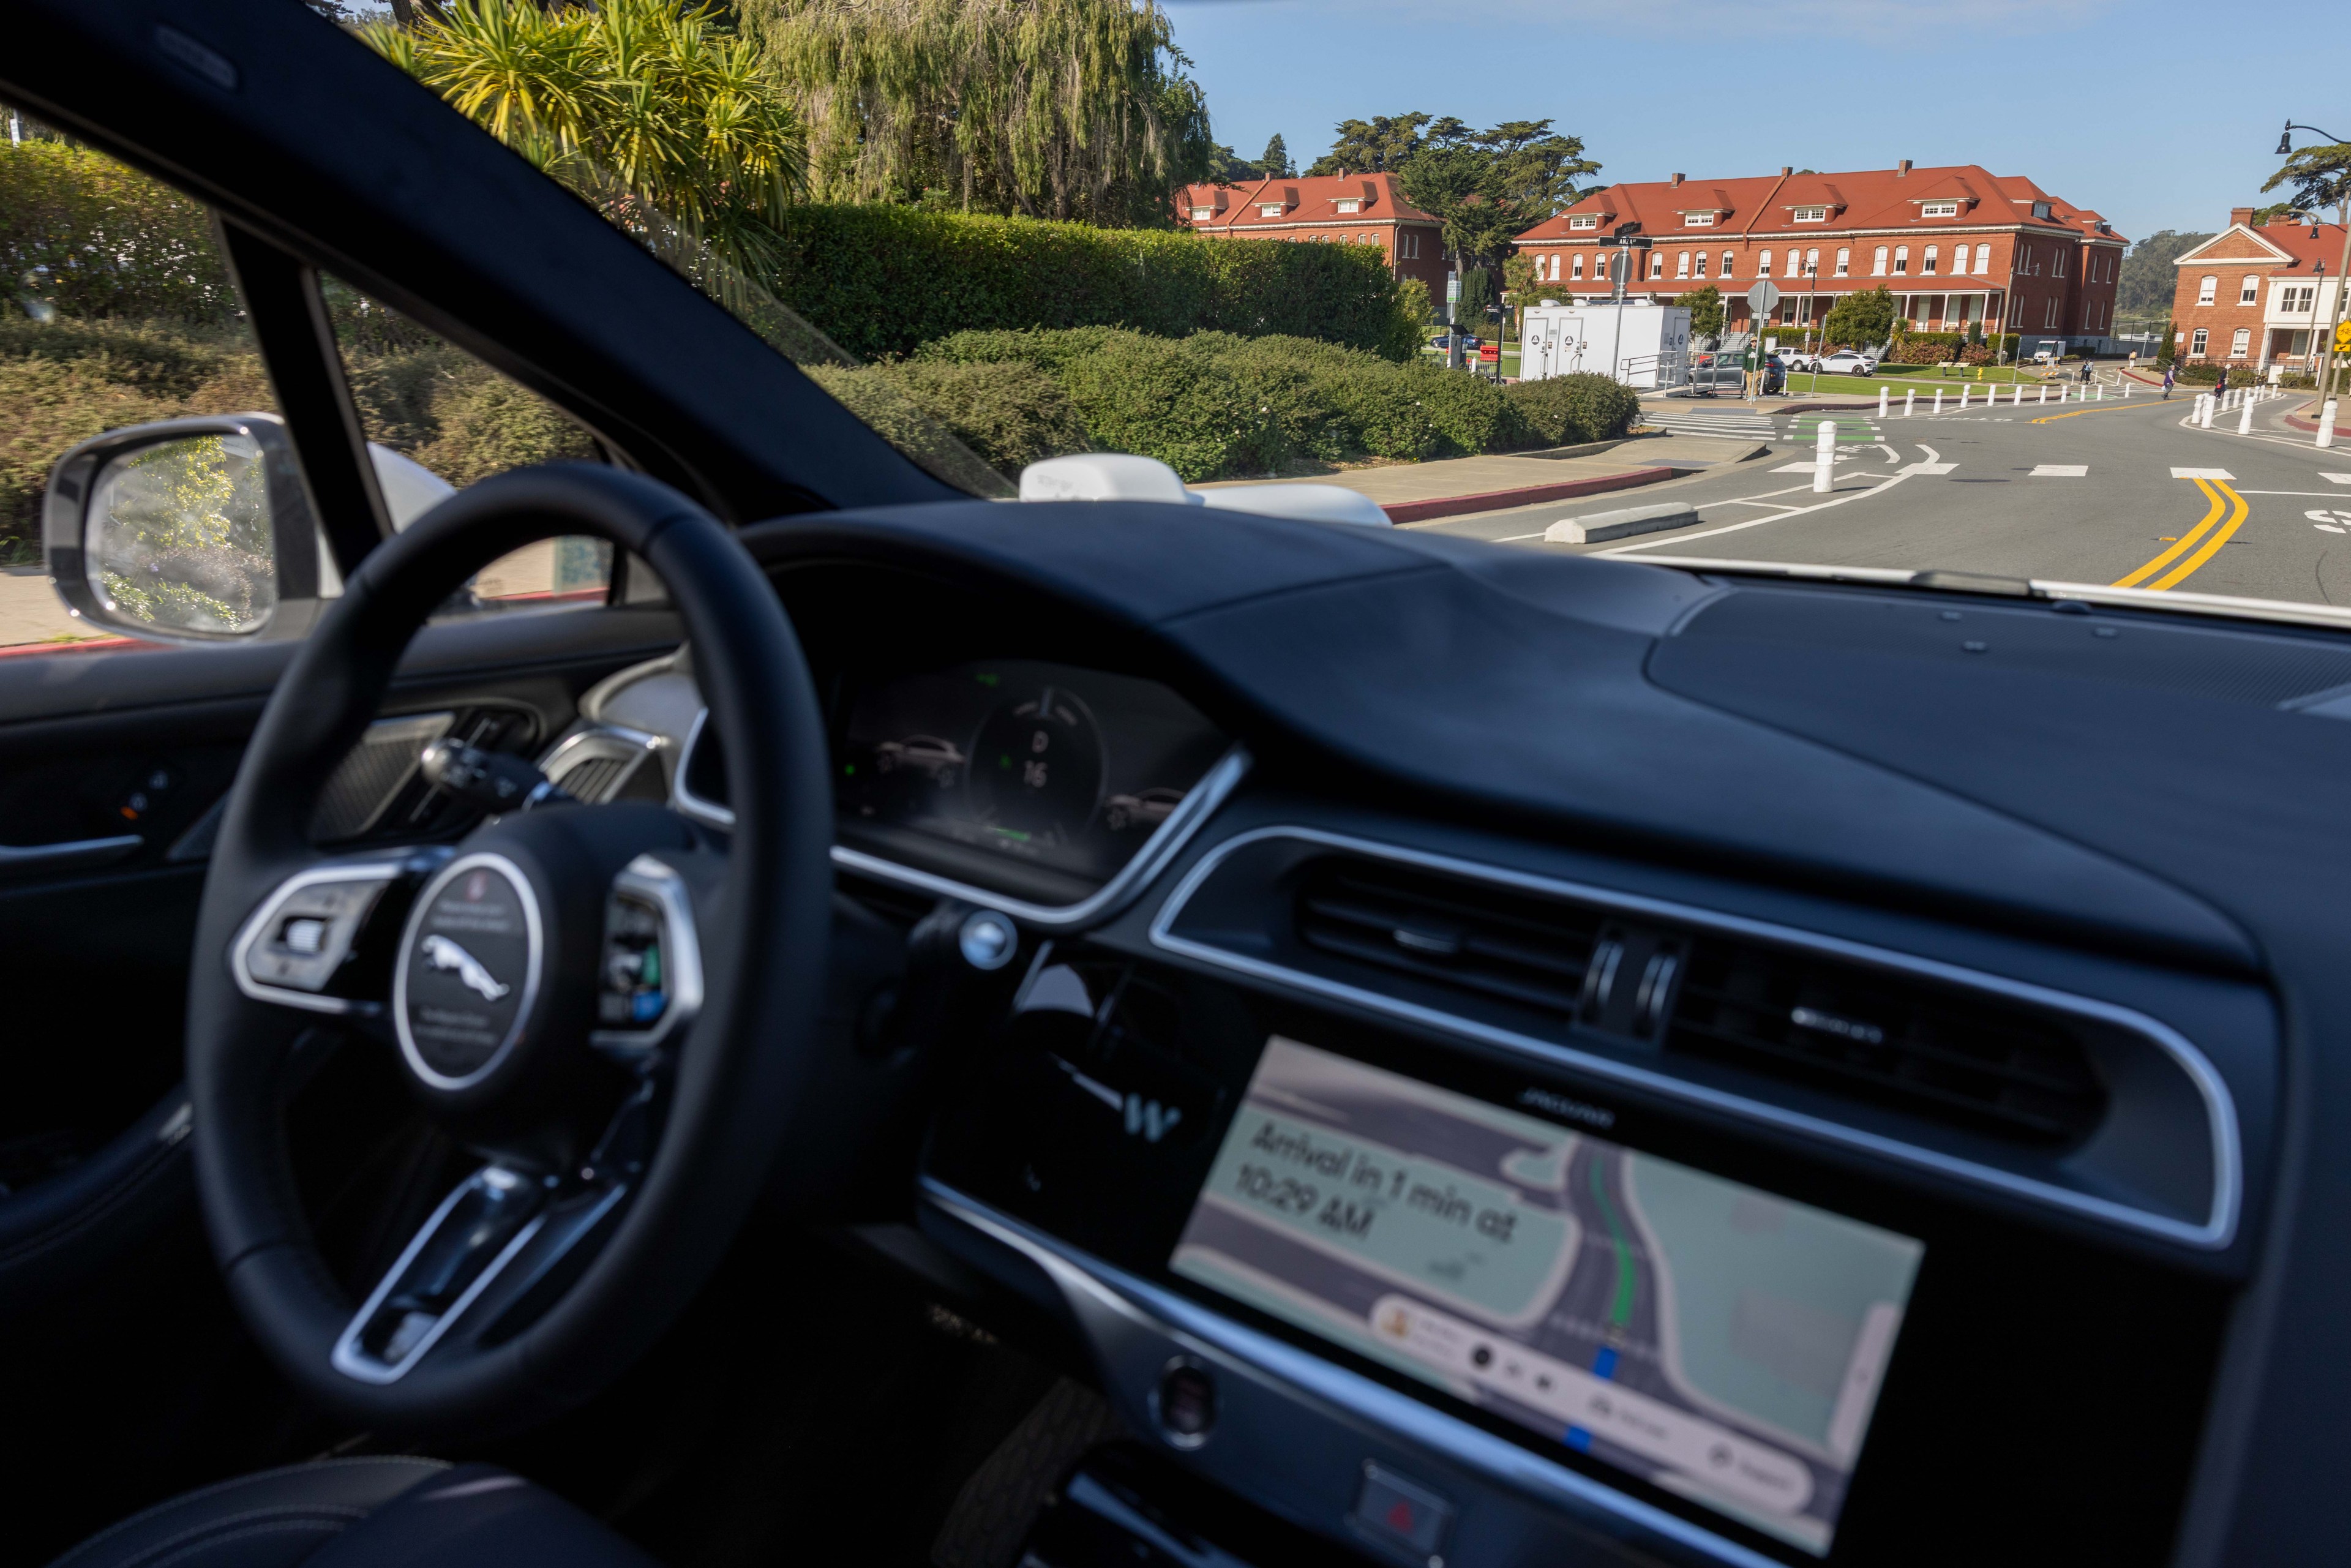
<point>2127,494</point>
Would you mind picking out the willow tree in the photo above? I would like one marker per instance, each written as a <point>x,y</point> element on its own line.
<point>1061,109</point>
<point>659,113</point>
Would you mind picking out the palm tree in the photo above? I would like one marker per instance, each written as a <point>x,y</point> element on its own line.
<point>664,118</point>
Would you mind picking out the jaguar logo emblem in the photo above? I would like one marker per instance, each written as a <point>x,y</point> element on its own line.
<point>441,953</point>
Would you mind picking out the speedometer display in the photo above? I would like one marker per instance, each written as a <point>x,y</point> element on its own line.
<point>1065,770</point>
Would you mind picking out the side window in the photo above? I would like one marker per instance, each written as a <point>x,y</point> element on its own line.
<point>437,419</point>
<point>115,310</point>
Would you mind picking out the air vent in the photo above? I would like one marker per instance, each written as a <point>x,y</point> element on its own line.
<point>1934,1053</point>
<point>1519,948</point>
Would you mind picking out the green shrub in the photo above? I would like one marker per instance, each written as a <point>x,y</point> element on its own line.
<point>1009,413</point>
<point>885,279</point>
<point>1562,411</point>
<point>83,237</point>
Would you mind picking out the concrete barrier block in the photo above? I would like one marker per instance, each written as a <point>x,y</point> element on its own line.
<point>1619,524</point>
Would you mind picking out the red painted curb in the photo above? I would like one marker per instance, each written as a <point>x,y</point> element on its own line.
<point>2311,425</point>
<point>1524,495</point>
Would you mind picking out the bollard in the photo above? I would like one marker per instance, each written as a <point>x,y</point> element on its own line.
<point>1824,458</point>
<point>2101,392</point>
<point>2045,392</point>
<point>1882,393</point>
<point>1964,390</point>
<point>2327,424</point>
<point>2245,418</point>
<point>2018,400</point>
<point>1909,397</point>
<point>1939,400</point>
<point>2204,410</point>
<point>2126,389</point>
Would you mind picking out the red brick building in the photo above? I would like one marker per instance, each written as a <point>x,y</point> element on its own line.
<point>2256,295</point>
<point>1329,209</point>
<point>1956,247</point>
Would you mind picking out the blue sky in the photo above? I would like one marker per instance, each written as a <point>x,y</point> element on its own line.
<point>2096,99</point>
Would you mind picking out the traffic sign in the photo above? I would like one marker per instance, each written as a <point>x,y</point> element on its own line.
<point>2342,338</point>
<point>1763,297</point>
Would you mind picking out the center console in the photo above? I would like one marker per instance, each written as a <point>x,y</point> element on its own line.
<point>1447,1303</point>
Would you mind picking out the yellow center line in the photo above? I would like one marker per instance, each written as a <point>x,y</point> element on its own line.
<point>2186,541</point>
<point>2123,407</point>
<point>2211,546</point>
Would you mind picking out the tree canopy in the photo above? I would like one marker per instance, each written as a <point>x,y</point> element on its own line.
<point>1062,109</point>
<point>1378,145</point>
<point>1705,305</point>
<point>2147,279</point>
<point>1488,186</point>
<point>1860,320</point>
<point>2321,178</point>
<point>633,102</point>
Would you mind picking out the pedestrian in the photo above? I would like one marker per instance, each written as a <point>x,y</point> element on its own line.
<point>2222,385</point>
<point>2167,383</point>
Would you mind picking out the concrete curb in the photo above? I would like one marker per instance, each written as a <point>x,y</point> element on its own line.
<point>2311,425</point>
<point>1521,496</point>
<point>1595,527</point>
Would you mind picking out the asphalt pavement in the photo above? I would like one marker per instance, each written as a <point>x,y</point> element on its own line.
<point>2127,493</point>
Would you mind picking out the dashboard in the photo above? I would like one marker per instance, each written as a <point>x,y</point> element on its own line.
<point>1488,1076</point>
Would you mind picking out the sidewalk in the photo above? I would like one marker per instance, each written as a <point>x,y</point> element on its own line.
<point>2306,418</point>
<point>1418,492</point>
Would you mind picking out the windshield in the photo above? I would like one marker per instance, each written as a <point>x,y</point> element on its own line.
<point>1004,232</point>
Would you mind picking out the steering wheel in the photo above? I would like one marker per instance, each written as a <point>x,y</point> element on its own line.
<point>611,1005</point>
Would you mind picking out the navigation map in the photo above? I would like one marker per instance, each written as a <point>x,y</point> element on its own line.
<point>1708,1337</point>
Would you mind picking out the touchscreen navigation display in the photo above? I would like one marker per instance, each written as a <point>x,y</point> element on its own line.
<point>1706,1336</point>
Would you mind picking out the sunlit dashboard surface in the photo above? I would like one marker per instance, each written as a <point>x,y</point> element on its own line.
<point>1020,763</point>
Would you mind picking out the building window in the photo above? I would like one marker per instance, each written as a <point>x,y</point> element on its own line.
<point>1845,261</point>
<point>1681,264</point>
<point>1351,204</point>
<point>1811,264</point>
<point>1701,264</point>
<point>2196,345</point>
<point>1938,209</point>
<point>2240,340</point>
<point>2298,299</point>
<point>2065,268</point>
<point>1202,215</point>
<point>1984,259</point>
<point>2206,288</point>
<point>1928,267</point>
<point>1408,245</point>
<point>1726,264</point>
<point>1576,267</point>
<point>1584,221</point>
<point>1901,260</point>
<point>1879,270</point>
<point>1811,215</point>
<point>1271,210</point>
<point>1698,220</point>
<point>1763,265</point>
<point>1657,264</point>
<point>2249,292</point>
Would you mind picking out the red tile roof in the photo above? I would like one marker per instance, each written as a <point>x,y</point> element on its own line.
<point>2294,239</point>
<point>1882,199</point>
<point>1304,199</point>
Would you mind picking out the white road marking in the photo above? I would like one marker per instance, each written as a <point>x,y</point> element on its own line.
<point>1930,468</point>
<point>2327,494</point>
<point>1800,467</point>
<point>2327,519</point>
<point>1879,485</point>
<point>1892,456</point>
<point>2337,478</point>
<point>2201,474</point>
<point>2329,528</point>
<point>2060,471</point>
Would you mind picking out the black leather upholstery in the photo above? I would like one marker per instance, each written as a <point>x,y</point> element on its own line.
<point>373,1512</point>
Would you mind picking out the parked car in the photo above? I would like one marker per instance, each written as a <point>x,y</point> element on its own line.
<point>1849,362</point>
<point>1796,359</point>
<point>1709,372</point>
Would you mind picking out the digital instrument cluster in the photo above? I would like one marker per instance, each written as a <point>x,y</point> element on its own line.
<point>1062,769</point>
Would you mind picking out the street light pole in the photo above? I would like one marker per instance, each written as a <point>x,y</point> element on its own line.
<point>2342,266</point>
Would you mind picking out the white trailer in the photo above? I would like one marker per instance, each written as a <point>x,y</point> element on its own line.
<point>1652,349</point>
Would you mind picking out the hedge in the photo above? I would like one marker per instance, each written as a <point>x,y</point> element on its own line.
<point>81,235</point>
<point>885,279</point>
<point>2205,375</point>
<point>1215,405</point>
<point>1940,348</point>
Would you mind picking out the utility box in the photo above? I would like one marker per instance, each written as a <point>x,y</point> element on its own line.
<point>1636,342</point>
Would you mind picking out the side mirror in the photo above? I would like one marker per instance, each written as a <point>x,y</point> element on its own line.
<point>187,530</point>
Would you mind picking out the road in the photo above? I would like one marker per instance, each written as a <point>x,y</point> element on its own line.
<point>2124,492</point>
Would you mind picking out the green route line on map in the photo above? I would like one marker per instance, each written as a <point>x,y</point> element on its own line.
<point>1621,1313</point>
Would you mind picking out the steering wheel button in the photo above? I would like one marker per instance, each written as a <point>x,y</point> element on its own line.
<point>305,935</point>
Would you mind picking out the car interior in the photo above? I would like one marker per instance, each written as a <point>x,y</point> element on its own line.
<point>913,1029</point>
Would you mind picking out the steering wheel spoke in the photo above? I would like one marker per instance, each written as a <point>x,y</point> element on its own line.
<point>307,945</point>
<point>648,979</point>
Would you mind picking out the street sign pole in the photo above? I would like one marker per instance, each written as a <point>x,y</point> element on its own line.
<point>1761,300</point>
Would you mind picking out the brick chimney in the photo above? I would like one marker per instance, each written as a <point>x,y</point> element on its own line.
<point>2242,215</point>
<point>1901,170</point>
<point>1678,179</point>
<point>1786,169</point>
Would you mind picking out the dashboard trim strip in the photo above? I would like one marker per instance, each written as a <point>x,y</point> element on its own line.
<point>1312,1379</point>
<point>1200,803</point>
<point>2213,1233</point>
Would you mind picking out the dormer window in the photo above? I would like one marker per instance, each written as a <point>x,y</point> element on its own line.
<point>1811,215</point>
<point>2040,209</point>
<point>1202,215</point>
<point>1938,209</point>
<point>1269,210</point>
<point>1351,205</point>
<point>1584,221</point>
<point>1698,220</point>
